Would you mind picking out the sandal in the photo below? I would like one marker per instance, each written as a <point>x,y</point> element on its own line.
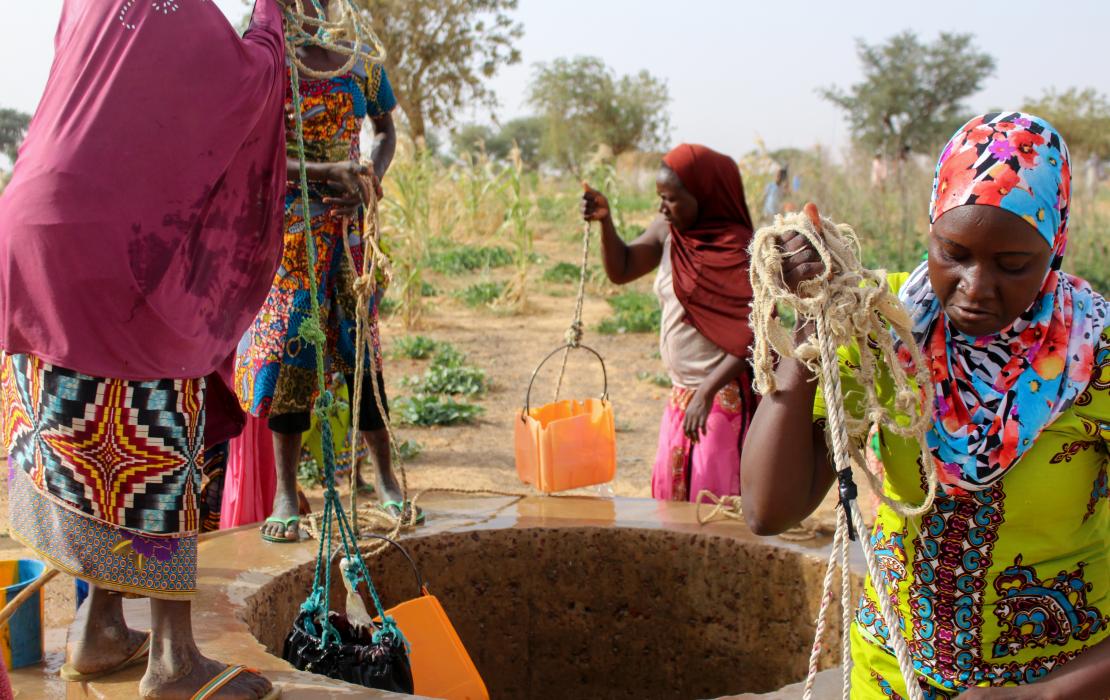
<point>209,689</point>
<point>287,523</point>
<point>404,511</point>
<point>71,675</point>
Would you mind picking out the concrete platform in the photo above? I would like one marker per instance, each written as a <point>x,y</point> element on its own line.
<point>553,597</point>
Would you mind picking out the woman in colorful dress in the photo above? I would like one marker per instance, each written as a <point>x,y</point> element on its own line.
<point>135,251</point>
<point>1003,586</point>
<point>276,368</point>
<point>698,244</point>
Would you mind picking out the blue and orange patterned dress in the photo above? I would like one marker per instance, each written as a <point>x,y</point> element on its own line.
<point>275,369</point>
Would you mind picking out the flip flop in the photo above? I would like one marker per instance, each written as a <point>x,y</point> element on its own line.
<point>209,689</point>
<point>71,675</point>
<point>292,521</point>
<point>396,508</point>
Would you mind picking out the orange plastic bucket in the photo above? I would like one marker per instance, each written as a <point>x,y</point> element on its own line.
<point>567,444</point>
<point>441,666</point>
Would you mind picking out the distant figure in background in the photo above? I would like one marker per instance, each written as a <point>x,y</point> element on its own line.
<point>775,193</point>
<point>879,170</point>
<point>699,244</point>
<point>1094,175</point>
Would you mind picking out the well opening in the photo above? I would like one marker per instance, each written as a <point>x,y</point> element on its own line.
<point>605,613</point>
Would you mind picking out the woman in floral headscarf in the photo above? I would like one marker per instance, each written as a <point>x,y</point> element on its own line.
<point>1003,587</point>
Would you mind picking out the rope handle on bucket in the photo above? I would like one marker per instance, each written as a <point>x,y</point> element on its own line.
<point>565,348</point>
<point>420,584</point>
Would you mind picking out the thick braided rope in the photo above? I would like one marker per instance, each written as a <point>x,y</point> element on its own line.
<point>857,307</point>
<point>574,332</point>
<point>848,304</point>
<point>349,35</point>
<point>319,600</point>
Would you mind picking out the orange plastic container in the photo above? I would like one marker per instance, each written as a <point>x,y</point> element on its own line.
<point>441,666</point>
<point>567,444</point>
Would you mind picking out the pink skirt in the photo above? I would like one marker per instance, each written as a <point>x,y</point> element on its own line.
<point>683,469</point>
<point>251,476</point>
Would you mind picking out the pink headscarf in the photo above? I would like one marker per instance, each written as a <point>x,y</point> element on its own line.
<point>142,225</point>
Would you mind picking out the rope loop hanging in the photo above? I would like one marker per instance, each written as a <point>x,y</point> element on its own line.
<point>334,36</point>
<point>847,304</point>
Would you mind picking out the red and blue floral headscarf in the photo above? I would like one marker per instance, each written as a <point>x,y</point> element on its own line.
<point>1042,361</point>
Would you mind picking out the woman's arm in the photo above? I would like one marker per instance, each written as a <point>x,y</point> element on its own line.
<point>385,145</point>
<point>785,471</point>
<point>697,412</point>
<point>624,262</point>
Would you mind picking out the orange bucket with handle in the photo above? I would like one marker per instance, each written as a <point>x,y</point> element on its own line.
<point>441,666</point>
<point>566,444</point>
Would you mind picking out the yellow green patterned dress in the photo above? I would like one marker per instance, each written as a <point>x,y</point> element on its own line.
<point>1000,586</point>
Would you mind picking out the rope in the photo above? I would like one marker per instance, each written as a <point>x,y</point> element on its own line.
<point>574,332</point>
<point>731,508</point>
<point>848,304</point>
<point>318,603</point>
<point>335,35</point>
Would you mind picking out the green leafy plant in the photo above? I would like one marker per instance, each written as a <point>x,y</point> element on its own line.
<point>659,379</point>
<point>568,273</point>
<point>409,450</point>
<point>520,232</point>
<point>451,259</point>
<point>436,410</point>
<point>451,380</point>
<point>634,312</point>
<point>415,347</point>
<point>481,293</point>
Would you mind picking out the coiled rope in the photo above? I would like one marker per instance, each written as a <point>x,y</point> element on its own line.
<point>848,304</point>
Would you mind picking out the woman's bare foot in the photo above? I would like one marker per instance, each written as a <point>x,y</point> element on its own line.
<point>177,670</point>
<point>387,485</point>
<point>99,639</point>
<point>287,453</point>
<point>180,679</point>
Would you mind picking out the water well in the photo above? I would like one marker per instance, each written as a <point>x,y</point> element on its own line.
<point>554,598</point>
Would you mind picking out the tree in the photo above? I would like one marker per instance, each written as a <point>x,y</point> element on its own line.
<point>1082,116</point>
<point>13,127</point>
<point>526,133</point>
<point>911,96</point>
<point>469,138</point>
<point>583,103</point>
<point>442,53</point>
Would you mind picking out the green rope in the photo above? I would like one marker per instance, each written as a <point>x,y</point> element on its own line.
<point>311,331</point>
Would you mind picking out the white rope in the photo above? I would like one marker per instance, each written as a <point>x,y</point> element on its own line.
<point>847,304</point>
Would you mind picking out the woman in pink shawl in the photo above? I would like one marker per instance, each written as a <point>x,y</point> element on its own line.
<point>141,230</point>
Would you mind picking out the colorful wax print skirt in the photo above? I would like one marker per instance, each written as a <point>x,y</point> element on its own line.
<point>103,475</point>
<point>275,371</point>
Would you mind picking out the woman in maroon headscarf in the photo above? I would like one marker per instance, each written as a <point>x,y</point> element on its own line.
<point>699,244</point>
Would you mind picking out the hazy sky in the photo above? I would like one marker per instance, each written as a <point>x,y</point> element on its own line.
<point>737,70</point>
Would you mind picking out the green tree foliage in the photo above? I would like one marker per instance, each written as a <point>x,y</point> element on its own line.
<point>442,53</point>
<point>13,127</point>
<point>912,93</point>
<point>1081,115</point>
<point>525,132</point>
<point>583,103</point>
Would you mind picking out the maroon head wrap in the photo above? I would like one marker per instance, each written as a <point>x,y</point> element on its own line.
<point>710,260</point>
